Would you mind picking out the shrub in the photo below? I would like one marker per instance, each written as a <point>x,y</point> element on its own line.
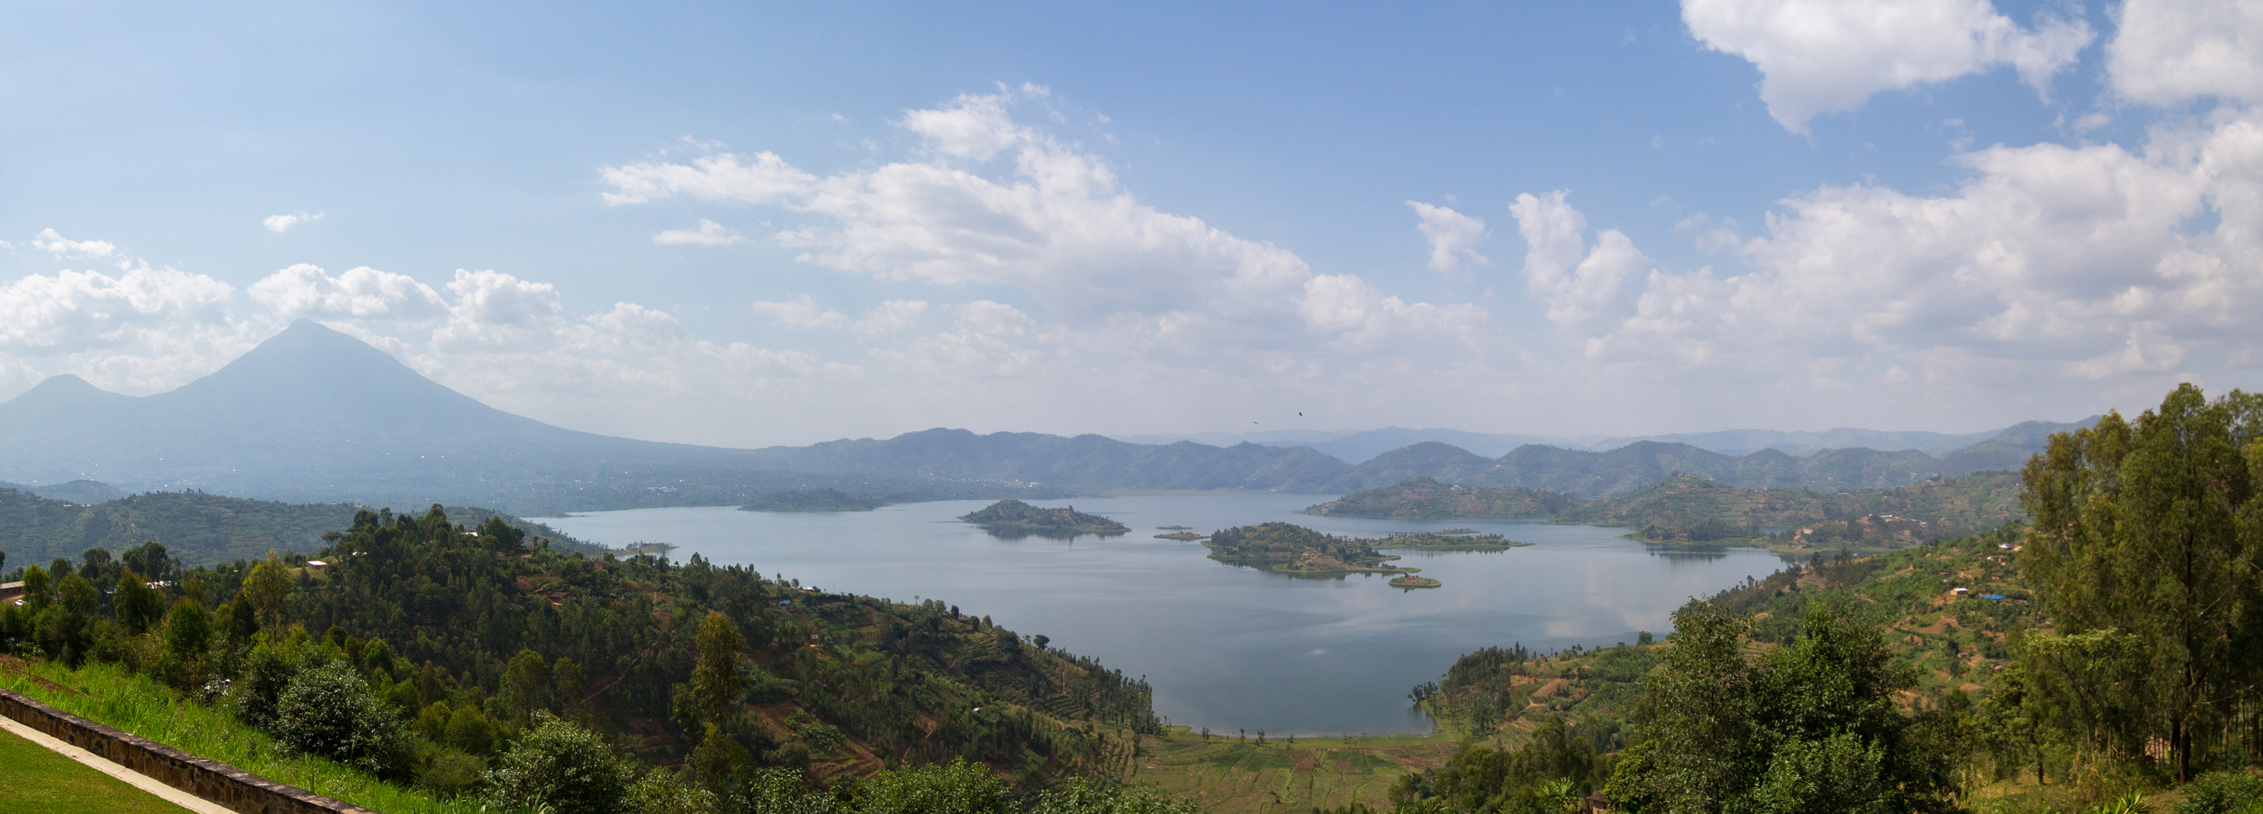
<point>563,768</point>
<point>957,788</point>
<point>2221,793</point>
<point>328,710</point>
<point>665,792</point>
<point>268,669</point>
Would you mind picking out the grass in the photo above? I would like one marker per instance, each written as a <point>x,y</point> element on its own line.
<point>1229,775</point>
<point>39,781</point>
<point>111,695</point>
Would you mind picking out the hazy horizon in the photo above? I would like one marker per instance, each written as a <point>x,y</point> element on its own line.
<point>748,227</point>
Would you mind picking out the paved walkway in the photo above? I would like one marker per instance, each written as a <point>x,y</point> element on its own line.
<point>100,764</point>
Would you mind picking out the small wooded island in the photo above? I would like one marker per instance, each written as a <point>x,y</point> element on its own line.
<point>1448,541</point>
<point>1285,548</point>
<point>1016,516</point>
<point>812,500</point>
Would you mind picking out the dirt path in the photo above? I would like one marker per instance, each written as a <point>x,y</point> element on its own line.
<point>131,777</point>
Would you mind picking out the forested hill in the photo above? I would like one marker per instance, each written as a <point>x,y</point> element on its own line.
<point>1423,498</point>
<point>85,492</point>
<point>1949,507</point>
<point>195,528</point>
<point>834,682</point>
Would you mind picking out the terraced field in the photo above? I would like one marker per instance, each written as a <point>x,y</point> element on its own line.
<point>1231,775</point>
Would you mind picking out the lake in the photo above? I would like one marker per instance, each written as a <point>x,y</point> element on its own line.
<point>1225,647</point>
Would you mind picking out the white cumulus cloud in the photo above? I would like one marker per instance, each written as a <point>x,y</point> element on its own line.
<point>2167,51</point>
<point>63,248</point>
<point>1582,288</point>
<point>1453,236</point>
<point>306,291</point>
<point>283,223</point>
<point>1822,56</point>
<point>2048,267</point>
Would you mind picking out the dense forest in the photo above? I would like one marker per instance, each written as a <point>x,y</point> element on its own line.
<point>2107,656</point>
<point>476,643</point>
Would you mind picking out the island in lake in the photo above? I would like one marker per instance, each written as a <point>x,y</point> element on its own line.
<point>1181,535</point>
<point>1456,540</point>
<point>1014,516</point>
<point>813,500</point>
<point>1286,548</point>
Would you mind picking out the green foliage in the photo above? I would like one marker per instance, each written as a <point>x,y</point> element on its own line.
<point>1553,769</point>
<point>718,680</point>
<point>562,768</point>
<point>2221,793</point>
<point>138,606</point>
<point>1808,727</point>
<point>2148,539</point>
<point>188,632</point>
<point>1692,508</point>
<point>328,710</point>
<point>525,689</point>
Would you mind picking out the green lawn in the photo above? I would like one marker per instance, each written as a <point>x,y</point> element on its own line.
<point>138,705</point>
<point>39,781</point>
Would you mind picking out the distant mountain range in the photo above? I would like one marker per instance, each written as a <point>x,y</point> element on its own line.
<point>315,415</point>
<point>1358,446</point>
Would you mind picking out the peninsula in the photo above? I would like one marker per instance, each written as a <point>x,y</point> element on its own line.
<point>1429,499</point>
<point>826,499</point>
<point>1016,516</point>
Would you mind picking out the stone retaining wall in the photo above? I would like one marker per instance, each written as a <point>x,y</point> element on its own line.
<point>210,779</point>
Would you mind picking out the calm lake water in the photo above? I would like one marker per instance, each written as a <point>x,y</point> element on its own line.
<point>1225,647</point>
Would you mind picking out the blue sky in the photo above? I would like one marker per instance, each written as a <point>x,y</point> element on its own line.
<point>746,224</point>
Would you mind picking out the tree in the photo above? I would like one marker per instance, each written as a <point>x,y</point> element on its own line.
<point>138,605</point>
<point>562,768</point>
<point>188,631</point>
<point>2154,531</point>
<point>1809,727</point>
<point>38,590</point>
<point>268,584</point>
<point>718,679</point>
<point>150,560</point>
<point>525,689</point>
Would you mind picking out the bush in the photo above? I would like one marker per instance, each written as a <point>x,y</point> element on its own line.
<point>563,768</point>
<point>1086,796</point>
<point>958,788</point>
<point>665,792</point>
<point>2221,793</point>
<point>328,710</point>
<point>268,669</point>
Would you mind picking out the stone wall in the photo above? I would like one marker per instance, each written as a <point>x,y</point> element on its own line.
<point>212,780</point>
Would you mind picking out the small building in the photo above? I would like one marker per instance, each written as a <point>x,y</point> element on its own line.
<point>11,592</point>
<point>316,564</point>
<point>1960,591</point>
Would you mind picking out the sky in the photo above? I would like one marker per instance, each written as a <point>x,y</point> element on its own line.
<point>748,224</point>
